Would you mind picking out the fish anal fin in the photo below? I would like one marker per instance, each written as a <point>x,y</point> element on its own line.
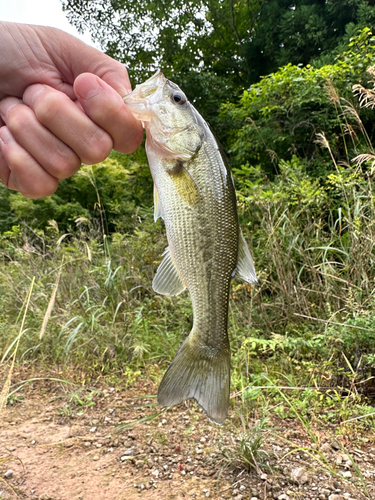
<point>200,373</point>
<point>157,205</point>
<point>185,185</point>
<point>167,280</point>
<point>245,265</point>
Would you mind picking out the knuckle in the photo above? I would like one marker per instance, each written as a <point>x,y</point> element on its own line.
<point>67,163</point>
<point>98,148</point>
<point>48,108</point>
<point>40,189</point>
<point>18,119</point>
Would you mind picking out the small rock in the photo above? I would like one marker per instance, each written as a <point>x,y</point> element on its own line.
<point>254,498</point>
<point>347,474</point>
<point>325,491</point>
<point>93,429</point>
<point>335,497</point>
<point>95,457</point>
<point>325,447</point>
<point>9,474</point>
<point>283,496</point>
<point>335,445</point>
<point>129,452</point>
<point>299,475</point>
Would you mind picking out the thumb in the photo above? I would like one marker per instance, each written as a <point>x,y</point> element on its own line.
<point>112,72</point>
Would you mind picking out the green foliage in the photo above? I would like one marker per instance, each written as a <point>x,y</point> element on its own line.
<point>106,195</point>
<point>214,49</point>
<point>305,206</point>
<point>237,40</point>
<point>282,114</point>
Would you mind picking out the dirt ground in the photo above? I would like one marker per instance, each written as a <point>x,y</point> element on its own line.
<point>99,443</point>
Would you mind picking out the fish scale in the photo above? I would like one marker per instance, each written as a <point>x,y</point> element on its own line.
<point>194,194</point>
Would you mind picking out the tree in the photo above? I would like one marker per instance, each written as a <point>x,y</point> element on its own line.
<point>214,49</point>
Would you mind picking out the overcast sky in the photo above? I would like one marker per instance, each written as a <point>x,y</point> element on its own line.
<point>43,12</point>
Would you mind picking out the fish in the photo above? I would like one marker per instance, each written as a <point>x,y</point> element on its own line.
<point>194,194</point>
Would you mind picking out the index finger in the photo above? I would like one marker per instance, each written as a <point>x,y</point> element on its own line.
<point>105,107</point>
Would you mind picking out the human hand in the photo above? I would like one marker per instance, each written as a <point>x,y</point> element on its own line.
<point>60,105</point>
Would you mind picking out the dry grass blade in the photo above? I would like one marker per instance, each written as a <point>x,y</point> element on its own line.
<point>332,93</point>
<point>366,97</point>
<point>8,485</point>
<point>51,302</point>
<point>5,390</point>
<point>364,158</point>
<point>321,140</point>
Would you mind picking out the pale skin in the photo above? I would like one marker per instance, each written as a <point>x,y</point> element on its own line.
<point>60,106</point>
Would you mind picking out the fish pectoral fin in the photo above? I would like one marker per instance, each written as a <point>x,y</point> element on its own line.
<point>185,185</point>
<point>167,280</point>
<point>245,265</point>
<point>198,373</point>
<point>157,205</point>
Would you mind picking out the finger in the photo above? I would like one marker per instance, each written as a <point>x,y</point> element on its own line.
<point>107,109</point>
<point>51,153</point>
<point>4,169</point>
<point>71,125</point>
<point>21,172</point>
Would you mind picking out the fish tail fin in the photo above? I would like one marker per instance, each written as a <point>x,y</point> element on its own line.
<point>201,373</point>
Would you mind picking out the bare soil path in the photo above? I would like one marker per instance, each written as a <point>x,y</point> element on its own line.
<point>91,444</point>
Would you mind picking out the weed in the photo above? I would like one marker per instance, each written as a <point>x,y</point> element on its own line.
<point>244,449</point>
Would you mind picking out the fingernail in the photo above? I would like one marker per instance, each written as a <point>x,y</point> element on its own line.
<point>6,105</point>
<point>88,87</point>
<point>5,136</point>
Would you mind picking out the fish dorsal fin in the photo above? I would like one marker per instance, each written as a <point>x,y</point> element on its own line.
<point>166,280</point>
<point>185,185</point>
<point>245,265</point>
<point>157,205</point>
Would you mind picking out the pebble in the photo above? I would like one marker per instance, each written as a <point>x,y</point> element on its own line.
<point>346,474</point>
<point>299,475</point>
<point>325,447</point>
<point>335,497</point>
<point>9,474</point>
<point>95,457</point>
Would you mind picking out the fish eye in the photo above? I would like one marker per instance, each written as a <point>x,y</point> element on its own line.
<point>178,98</point>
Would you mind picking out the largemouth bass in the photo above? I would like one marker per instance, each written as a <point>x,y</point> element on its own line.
<point>194,194</point>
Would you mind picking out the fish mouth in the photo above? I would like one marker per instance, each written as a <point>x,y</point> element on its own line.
<point>144,95</point>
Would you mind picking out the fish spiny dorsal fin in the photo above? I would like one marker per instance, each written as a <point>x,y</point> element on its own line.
<point>245,265</point>
<point>157,205</point>
<point>167,280</point>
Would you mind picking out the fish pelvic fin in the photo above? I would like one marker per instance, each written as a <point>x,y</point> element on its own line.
<point>201,373</point>
<point>167,280</point>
